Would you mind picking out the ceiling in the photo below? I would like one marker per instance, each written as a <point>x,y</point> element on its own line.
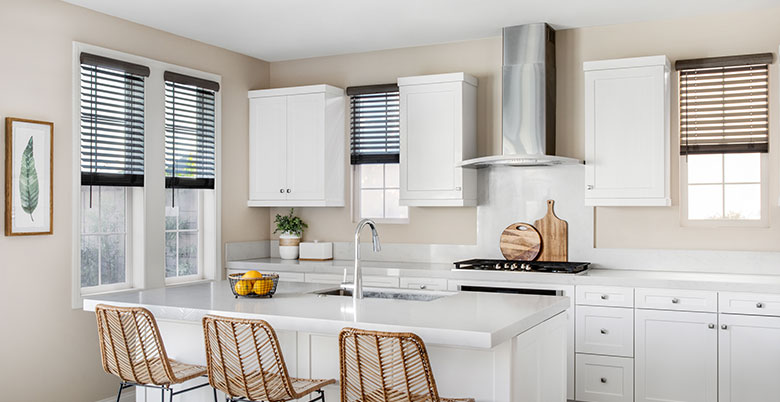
<point>275,30</point>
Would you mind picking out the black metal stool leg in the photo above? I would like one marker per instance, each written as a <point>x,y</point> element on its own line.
<point>215,394</point>
<point>170,398</point>
<point>119,394</point>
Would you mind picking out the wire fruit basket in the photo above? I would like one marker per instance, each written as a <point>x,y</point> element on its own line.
<point>265,286</point>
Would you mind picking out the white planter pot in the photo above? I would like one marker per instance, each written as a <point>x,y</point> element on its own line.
<point>288,246</point>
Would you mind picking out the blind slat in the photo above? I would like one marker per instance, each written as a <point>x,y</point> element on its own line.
<point>189,133</point>
<point>112,122</point>
<point>375,124</point>
<point>723,109</point>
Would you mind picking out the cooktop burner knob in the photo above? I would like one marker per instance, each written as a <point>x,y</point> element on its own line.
<point>498,265</point>
<point>527,267</point>
<point>514,266</point>
<point>506,265</point>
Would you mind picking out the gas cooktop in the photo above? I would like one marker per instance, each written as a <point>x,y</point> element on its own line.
<point>522,266</point>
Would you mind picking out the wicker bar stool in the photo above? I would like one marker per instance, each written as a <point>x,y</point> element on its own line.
<point>246,363</point>
<point>386,367</point>
<point>131,348</point>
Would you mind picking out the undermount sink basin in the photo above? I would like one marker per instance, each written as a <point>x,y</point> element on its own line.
<point>394,294</point>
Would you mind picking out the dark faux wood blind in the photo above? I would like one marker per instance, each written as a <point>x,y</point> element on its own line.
<point>375,124</point>
<point>724,105</point>
<point>189,134</point>
<point>112,122</point>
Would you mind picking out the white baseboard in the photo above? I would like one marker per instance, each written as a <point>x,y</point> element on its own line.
<point>128,395</point>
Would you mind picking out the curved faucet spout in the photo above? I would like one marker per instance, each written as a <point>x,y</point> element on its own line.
<point>357,279</point>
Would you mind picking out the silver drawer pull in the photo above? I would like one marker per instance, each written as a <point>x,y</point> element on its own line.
<point>724,326</point>
<point>675,300</point>
<point>759,305</point>
<point>711,326</point>
<point>589,187</point>
<point>423,286</point>
<point>281,190</point>
<point>603,380</point>
<point>604,297</point>
<point>604,331</point>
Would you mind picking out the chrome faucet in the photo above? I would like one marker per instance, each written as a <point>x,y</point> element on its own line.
<point>357,280</point>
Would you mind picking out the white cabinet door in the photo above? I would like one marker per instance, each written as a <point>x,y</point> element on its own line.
<point>267,148</point>
<point>676,356</point>
<point>627,135</point>
<point>749,349</point>
<point>429,122</point>
<point>305,144</point>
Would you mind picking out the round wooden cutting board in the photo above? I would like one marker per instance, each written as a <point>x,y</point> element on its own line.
<point>521,241</point>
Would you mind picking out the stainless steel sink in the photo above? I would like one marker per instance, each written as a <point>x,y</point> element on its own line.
<point>394,294</point>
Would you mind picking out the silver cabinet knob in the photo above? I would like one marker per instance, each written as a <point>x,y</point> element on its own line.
<point>675,300</point>
<point>759,305</point>
<point>724,326</point>
<point>423,286</point>
<point>604,297</point>
<point>281,190</point>
<point>604,331</point>
<point>603,380</point>
<point>457,188</point>
<point>711,326</point>
<point>589,187</point>
<point>289,191</point>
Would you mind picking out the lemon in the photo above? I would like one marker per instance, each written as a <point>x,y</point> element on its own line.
<point>252,275</point>
<point>263,286</point>
<point>243,288</point>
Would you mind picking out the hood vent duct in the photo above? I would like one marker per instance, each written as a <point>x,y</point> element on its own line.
<point>528,100</point>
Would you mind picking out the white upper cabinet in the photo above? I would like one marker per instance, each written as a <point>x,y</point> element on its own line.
<point>627,135</point>
<point>296,147</point>
<point>438,131</point>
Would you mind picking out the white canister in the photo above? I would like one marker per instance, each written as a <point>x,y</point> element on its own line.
<point>288,246</point>
<point>316,251</point>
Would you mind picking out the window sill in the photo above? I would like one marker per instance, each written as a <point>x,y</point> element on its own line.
<point>725,223</point>
<point>79,303</point>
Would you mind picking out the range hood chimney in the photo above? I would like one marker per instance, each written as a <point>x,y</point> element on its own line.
<point>528,100</point>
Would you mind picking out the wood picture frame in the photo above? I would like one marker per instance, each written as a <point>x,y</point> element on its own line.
<point>29,182</point>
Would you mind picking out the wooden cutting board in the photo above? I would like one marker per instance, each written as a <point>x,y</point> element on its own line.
<point>520,241</point>
<point>555,236</point>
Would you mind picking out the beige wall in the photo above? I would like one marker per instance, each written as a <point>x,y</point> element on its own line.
<point>48,351</point>
<point>481,58</point>
<point>736,33</point>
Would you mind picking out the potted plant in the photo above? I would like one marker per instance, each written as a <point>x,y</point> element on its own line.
<point>291,228</point>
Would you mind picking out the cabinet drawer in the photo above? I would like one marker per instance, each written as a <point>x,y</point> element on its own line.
<point>424,283</point>
<point>324,278</point>
<point>605,330</point>
<point>605,296</point>
<point>604,378</point>
<point>676,299</point>
<point>749,303</point>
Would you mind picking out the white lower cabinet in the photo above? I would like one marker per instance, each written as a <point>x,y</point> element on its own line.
<point>424,283</point>
<point>605,378</point>
<point>605,331</point>
<point>370,281</point>
<point>749,350</point>
<point>676,356</point>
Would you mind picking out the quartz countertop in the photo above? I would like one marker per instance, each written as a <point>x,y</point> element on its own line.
<point>466,319</point>
<point>594,276</point>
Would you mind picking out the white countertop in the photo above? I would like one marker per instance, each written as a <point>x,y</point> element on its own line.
<point>467,319</point>
<point>601,277</point>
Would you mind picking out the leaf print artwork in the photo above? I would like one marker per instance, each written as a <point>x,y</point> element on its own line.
<point>28,181</point>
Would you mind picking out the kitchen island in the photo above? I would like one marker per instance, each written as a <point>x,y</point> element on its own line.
<point>492,347</point>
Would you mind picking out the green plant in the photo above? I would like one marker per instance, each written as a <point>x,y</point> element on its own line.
<point>28,180</point>
<point>290,224</point>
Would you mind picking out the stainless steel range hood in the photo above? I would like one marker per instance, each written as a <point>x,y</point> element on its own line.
<point>528,100</point>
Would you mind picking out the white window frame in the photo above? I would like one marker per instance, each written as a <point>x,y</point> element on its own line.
<point>148,227</point>
<point>356,190</point>
<point>201,245</point>
<point>128,249</point>
<point>713,223</point>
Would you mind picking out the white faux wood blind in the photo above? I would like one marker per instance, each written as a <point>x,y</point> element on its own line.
<point>375,124</point>
<point>724,105</point>
<point>190,114</point>
<point>112,122</point>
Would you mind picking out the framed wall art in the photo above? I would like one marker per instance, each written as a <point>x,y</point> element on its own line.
<point>29,188</point>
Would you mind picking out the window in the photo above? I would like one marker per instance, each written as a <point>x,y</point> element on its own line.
<point>374,152</point>
<point>724,138</point>
<point>378,193</point>
<point>112,164</point>
<point>190,105</point>
<point>119,96</point>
